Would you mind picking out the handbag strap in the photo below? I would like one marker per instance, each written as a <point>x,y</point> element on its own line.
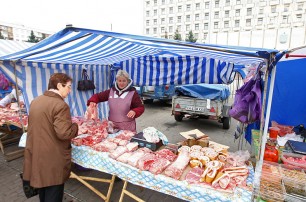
<point>84,75</point>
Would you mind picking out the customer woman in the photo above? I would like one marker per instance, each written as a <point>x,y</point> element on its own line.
<point>124,102</point>
<point>47,157</point>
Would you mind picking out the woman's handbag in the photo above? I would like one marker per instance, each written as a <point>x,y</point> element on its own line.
<point>85,83</point>
<point>28,190</point>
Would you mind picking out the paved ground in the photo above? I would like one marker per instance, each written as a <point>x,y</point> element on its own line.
<point>157,115</point>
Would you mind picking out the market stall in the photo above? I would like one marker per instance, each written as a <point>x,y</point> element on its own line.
<point>95,152</point>
<point>12,126</point>
<point>149,61</point>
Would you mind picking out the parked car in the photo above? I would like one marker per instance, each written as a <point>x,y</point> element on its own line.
<point>150,93</point>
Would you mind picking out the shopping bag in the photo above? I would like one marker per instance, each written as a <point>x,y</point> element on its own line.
<point>85,83</point>
<point>28,190</point>
<point>247,103</point>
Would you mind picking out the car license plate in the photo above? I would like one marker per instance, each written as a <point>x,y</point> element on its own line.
<point>199,109</point>
<point>191,108</point>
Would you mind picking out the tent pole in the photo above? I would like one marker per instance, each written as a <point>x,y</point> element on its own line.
<point>264,136</point>
<point>17,96</point>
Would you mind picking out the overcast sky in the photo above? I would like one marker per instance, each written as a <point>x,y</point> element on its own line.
<point>125,16</point>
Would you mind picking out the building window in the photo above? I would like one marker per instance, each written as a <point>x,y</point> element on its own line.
<point>261,10</point>
<point>249,11</point>
<point>171,10</point>
<point>207,5</point>
<point>179,27</point>
<point>155,21</point>
<point>205,26</point>
<point>272,20</point>
<point>216,15</point>
<point>163,2</point>
<point>197,16</point>
<point>187,27</point>
<point>155,12</point>
<point>187,18</point>
<point>147,31</point>
<point>171,20</point>
<point>217,4</point>
<point>248,22</point>
<point>226,14</point>
<point>170,29</point>
<point>196,26</point>
<point>162,29</point>
<point>259,21</point>
<point>147,22</point>
<point>216,25</point>
<point>237,22</point>
<point>170,37</point>
<point>273,9</point>
<point>205,36</point>
<point>227,2</point>
<point>147,3</point>
<point>147,13</point>
<point>206,16</point>
<point>188,6</point>
<point>198,6</point>
<point>238,2</point>
<point>237,13</point>
<point>226,24</point>
<point>196,35</point>
<point>286,7</point>
<point>179,8</point>
<point>154,30</point>
<point>163,21</point>
<point>285,18</point>
<point>299,17</point>
<point>300,6</point>
<point>179,18</point>
<point>155,2</point>
<point>249,1</point>
<point>163,11</point>
<point>171,1</point>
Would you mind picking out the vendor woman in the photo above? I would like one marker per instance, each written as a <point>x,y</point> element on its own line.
<point>124,102</point>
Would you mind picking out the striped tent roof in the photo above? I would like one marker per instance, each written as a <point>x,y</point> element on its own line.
<point>9,46</point>
<point>149,61</point>
<point>75,46</point>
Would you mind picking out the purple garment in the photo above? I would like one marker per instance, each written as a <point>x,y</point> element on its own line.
<point>119,108</point>
<point>247,104</point>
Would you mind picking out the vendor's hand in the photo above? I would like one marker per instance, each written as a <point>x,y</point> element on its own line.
<point>92,104</point>
<point>131,114</point>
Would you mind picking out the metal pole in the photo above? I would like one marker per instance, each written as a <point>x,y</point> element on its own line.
<point>17,96</point>
<point>264,136</point>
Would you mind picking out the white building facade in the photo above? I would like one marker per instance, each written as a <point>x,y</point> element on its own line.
<point>18,32</point>
<point>279,24</point>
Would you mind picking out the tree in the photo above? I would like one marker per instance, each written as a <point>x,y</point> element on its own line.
<point>32,38</point>
<point>191,38</point>
<point>1,36</point>
<point>177,35</point>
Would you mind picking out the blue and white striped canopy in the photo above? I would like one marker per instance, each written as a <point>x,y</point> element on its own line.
<point>150,61</point>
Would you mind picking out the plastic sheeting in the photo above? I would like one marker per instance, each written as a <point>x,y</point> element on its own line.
<point>204,91</point>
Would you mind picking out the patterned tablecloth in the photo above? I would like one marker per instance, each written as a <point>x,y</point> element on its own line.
<point>89,158</point>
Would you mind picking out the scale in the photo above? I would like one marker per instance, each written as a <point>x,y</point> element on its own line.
<point>295,147</point>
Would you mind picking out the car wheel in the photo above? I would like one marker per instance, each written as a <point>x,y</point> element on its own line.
<point>226,122</point>
<point>148,101</point>
<point>178,117</point>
